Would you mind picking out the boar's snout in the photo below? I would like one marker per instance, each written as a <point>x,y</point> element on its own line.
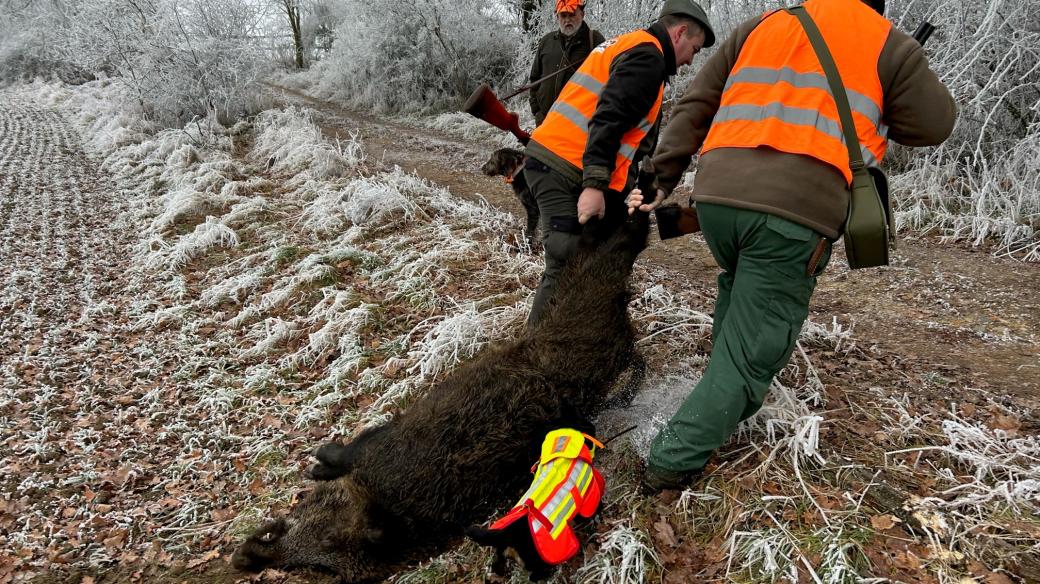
<point>262,549</point>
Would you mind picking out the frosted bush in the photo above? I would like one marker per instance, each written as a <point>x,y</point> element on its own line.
<point>423,55</point>
<point>179,59</point>
<point>289,141</point>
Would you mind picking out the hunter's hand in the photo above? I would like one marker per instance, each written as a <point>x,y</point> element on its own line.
<point>590,204</point>
<point>635,201</point>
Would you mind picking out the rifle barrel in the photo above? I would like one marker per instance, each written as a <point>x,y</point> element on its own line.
<point>924,30</point>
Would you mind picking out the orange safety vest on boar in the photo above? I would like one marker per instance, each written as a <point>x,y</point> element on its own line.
<point>777,94</point>
<point>565,484</point>
<point>565,131</point>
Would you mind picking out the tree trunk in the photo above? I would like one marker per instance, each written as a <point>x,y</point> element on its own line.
<point>292,10</point>
<point>527,10</point>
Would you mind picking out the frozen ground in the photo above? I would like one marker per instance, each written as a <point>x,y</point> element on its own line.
<point>187,313</point>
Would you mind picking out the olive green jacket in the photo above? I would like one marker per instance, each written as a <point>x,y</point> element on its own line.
<point>555,52</point>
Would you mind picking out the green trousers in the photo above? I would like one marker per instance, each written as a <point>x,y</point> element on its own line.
<point>557,199</point>
<point>769,269</point>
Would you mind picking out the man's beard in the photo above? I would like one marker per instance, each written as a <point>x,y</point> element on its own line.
<point>569,29</point>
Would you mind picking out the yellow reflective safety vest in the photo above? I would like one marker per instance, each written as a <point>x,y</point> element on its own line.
<point>777,93</point>
<point>565,131</point>
<point>565,484</point>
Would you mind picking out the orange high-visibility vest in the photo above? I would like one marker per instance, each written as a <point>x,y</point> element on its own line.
<point>777,94</point>
<point>565,484</point>
<point>565,131</point>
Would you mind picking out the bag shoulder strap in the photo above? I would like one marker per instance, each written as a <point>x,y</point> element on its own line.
<point>841,97</point>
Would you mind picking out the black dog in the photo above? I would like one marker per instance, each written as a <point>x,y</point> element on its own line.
<point>509,163</point>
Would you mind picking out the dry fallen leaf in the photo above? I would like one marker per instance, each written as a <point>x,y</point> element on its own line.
<point>665,533</point>
<point>884,522</point>
<point>207,557</point>
<point>1006,423</point>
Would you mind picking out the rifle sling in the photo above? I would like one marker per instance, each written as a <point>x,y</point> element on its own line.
<point>841,97</point>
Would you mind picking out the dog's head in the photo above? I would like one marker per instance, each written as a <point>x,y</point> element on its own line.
<point>503,162</point>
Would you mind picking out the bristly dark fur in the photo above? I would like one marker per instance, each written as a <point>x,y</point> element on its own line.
<point>506,162</point>
<point>408,489</point>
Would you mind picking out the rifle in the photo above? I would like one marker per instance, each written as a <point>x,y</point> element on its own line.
<point>485,105</point>
<point>538,82</point>
<point>924,30</point>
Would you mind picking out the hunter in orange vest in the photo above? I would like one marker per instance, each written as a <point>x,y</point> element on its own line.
<point>772,190</point>
<point>584,156</point>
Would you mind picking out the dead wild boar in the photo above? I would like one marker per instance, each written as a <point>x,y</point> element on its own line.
<point>406,490</point>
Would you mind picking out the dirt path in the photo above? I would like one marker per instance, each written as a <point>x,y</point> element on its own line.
<point>947,311</point>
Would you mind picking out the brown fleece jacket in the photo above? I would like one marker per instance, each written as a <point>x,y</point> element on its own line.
<point>917,109</point>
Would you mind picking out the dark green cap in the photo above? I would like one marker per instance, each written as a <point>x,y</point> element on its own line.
<point>694,11</point>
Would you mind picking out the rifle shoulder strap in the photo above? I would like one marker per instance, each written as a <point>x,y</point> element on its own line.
<point>841,97</point>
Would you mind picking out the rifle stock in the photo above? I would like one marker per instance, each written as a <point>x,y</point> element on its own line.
<point>484,105</point>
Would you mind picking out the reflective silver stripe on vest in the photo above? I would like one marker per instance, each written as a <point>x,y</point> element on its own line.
<point>561,495</point>
<point>560,443</point>
<point>588,82</point>
<point>571,113</point>
<point>857,101</point>
<point>568,111</point>
<point>790,115</point>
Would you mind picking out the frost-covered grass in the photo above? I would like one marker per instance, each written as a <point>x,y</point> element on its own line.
<point>274,299</point>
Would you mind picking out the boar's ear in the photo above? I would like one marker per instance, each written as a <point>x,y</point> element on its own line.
<point>334,460</point>
<point>271,531</point>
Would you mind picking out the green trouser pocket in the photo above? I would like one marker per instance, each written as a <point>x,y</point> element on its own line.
<point>777,337</point>
<point>820,254</point>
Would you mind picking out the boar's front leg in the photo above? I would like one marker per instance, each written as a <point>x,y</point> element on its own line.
<point>336,459</point>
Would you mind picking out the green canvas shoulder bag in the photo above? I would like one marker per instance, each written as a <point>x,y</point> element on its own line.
<point>869,229</point>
